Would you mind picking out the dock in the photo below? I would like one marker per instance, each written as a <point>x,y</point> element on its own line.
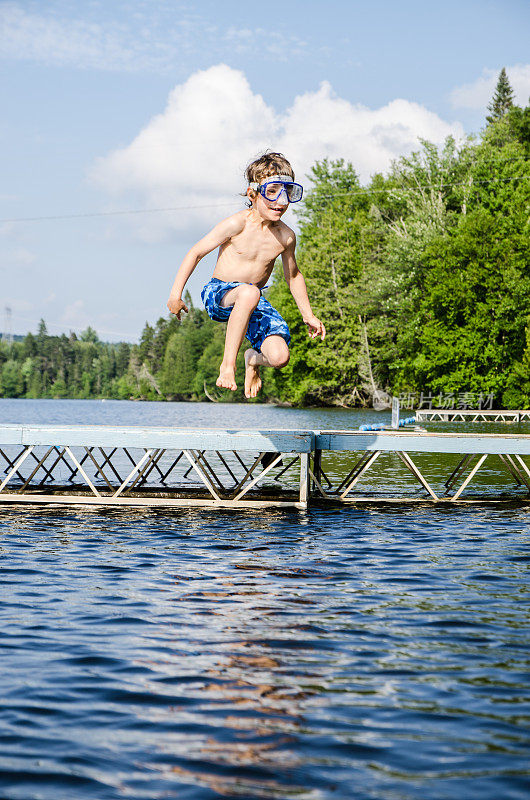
<point>155,467</point>
<point>471,415</point>
<point>150,466</point>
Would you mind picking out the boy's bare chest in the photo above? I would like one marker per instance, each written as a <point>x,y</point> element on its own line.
<point>258,246</point>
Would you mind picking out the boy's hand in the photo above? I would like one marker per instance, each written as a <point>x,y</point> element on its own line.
<point>177,306</point>
<point>315,327</point>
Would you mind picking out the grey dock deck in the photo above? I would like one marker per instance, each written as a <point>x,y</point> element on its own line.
<point>424,442</point>
<point>236,468</point>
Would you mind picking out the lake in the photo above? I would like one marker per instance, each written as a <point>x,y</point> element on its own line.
<point>343,652</point>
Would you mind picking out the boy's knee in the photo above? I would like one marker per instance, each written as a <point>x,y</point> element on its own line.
<point>283,360</point>
<point>248,294</point>
<point>279,357</point>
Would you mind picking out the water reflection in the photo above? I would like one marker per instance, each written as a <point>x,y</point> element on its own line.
<point>247,711</point>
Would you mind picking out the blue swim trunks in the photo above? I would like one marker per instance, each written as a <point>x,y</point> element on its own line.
<point>264,321</point>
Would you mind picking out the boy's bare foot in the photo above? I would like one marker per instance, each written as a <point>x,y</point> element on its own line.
<point>227,378</point>
<point>252,376</point>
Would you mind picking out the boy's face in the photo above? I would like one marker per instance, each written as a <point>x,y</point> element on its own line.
<point>271,210</point>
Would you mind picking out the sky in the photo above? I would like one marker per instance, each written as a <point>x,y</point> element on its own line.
<point>126,126</point>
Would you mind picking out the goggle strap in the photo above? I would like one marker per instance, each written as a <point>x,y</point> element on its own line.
<point>271,179</point>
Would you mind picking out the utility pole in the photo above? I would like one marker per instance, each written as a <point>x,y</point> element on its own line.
<point>7,334</point>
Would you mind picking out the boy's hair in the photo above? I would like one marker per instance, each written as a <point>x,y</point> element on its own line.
<point>266,165</point>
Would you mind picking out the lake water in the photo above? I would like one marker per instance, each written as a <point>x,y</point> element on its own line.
<point>377,652</point>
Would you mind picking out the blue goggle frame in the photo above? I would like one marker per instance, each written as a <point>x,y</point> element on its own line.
<point>293,191</point>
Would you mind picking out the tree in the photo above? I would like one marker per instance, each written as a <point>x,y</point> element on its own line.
<point>519,124</point>
<point>89,335</point>
<point>183,352</point>
<point>146,343</point>
<point>502,99</point>
<point>42,331</point>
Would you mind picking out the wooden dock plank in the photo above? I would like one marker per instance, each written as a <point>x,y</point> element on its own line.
<point>147,502</point>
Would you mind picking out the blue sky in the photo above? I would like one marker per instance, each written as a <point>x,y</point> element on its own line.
<point>136,105</point>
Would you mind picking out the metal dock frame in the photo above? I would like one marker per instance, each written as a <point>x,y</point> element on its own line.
<point>473,449</point>
<point>112,465</point>
<point>170,467</point>
<point>471,415</point>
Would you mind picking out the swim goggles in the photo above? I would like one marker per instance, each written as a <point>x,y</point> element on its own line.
<point>273,188</point>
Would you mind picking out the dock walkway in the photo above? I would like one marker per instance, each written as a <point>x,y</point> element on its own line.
<point>237,468</point>
<point>471,415</point>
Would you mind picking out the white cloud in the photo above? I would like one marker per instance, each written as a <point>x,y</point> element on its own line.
<point>18,257</point>
<point>6,229</point>
<point>477,95</point>
<point>195,151</point>
<point>38,37</point>
<point>193,154</point>
<point>118,36</point>
<point>104,38</point>
<point>273,43</point>
<point>320,124</point>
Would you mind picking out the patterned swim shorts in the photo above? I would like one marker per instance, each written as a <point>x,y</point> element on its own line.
<point>264,321</point>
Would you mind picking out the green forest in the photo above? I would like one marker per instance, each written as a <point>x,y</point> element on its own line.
<point>422,278</point>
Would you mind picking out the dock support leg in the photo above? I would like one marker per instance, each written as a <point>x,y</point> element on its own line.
<point>147,455</point>
<point>409,463</point>
<point>203,475</point>
<point>48,471</point>
<point>357,468</point>
<point>361,469</point>
<point>253,482</point>
<point>512,468</point>
<point>304,479</point>
<point>470,476</point>
<point>524,477</point>
<point>39,465</point>
<point>82,471</point>
<point>10,463</point>
<point>317,473</point>
<point>317,468</point>
<point>458,470</point>
<point>16,466</point>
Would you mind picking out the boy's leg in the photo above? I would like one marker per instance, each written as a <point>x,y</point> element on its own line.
<point>274,353</point>
<point>244,299</point>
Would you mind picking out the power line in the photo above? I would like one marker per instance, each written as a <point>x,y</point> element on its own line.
<point>113,213</point>
<point>232,203</point>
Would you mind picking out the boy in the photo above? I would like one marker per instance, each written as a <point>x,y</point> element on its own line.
<point>249,243</point>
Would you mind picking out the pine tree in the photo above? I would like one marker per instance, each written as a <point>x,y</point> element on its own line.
<point>503,98</point>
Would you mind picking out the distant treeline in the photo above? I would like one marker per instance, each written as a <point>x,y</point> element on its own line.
<point>63,366</point>
<point>422,279</point>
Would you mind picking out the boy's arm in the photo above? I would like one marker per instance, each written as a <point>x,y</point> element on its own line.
<point>296,283</point>
<point>219,235</point>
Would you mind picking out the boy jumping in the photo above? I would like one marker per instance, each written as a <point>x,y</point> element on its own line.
<point>249,243</point>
